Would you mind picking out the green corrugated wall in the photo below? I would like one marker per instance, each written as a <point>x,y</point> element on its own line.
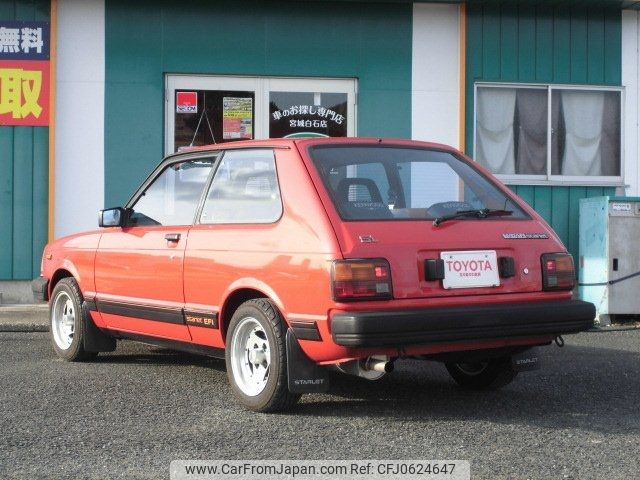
<point>147,39</point>
<point>24,177</point>
<point>544,44</point>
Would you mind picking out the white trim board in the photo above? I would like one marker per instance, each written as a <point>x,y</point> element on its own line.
<point>435,83</point>
<point>631,83</point>
<point>79,115</point>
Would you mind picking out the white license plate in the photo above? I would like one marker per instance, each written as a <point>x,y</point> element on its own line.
<point>470,269</point>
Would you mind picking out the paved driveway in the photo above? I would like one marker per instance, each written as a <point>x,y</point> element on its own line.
<point>129,413</point>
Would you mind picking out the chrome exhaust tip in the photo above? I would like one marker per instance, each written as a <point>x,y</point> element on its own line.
<point>377,365</point>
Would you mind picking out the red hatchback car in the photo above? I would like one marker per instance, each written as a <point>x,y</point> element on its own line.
<point>290,257</point>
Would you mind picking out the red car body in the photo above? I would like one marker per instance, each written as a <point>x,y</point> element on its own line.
<point>138,284</point>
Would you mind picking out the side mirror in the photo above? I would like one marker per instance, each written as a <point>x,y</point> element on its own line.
<point>112,217</point>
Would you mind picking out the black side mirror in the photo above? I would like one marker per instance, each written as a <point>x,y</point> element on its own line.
<point>112,217</point>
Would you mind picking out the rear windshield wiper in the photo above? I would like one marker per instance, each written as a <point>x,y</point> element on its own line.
<point>477,213</point>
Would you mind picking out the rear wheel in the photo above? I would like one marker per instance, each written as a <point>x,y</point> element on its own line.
<point>484,375</point>
<point>256,357</point>
<point>67,326</point>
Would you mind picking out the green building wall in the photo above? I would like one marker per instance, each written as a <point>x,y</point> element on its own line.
<point>544,44</point>
<point>24,177</point>
<point>146,40</point>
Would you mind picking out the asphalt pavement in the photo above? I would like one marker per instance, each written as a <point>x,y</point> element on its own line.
<point>129,413</point>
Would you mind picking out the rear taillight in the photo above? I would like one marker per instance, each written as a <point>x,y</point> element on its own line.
<point>558,272</point>
<point>361,280</point>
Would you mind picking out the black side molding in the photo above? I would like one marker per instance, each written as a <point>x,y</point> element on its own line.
<point>305,330</point>
<point>168,315</point>
<point>178,316</point>
<point>91,304</point>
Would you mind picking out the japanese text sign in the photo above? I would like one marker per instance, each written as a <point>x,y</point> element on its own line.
<point>24,73</point>
<point>24,40</point>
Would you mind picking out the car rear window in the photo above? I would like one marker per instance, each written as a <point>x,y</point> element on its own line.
<point>397,183</point>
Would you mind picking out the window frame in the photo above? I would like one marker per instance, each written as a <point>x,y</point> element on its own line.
<point>550,179</point>
<point>198,218</point>
<point>213,155</point>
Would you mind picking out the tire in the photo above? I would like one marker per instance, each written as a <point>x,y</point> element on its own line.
<point>486,375</point>
<point>256,357</point>
<point>66,322</point>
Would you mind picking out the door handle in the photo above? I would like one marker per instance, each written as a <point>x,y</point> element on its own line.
<point>172,237</point>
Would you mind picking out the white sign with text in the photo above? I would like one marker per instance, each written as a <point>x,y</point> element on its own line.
<point>470,269</point>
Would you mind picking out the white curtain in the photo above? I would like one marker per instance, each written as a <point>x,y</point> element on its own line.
<point>582,113</point>
<point>532,131</point>
<point>610,144</point>
<point>494,129</point>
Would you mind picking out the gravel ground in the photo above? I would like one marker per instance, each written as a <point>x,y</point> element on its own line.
<point>129,413</point>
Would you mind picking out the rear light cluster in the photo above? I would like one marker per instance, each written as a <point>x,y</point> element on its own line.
<point>368,279</point>
<point>558,272</point>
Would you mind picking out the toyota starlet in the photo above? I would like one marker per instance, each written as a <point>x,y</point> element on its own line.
<point>288,258</point>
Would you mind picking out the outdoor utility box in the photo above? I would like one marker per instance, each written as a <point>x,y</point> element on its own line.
<point>609,255</point>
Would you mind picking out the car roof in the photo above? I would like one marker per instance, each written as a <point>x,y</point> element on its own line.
<point>308,142</point>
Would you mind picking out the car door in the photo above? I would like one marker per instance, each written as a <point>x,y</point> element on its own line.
<point>139,267</point>
<point>234,238</point>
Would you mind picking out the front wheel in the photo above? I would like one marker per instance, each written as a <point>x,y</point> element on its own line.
<point>67,326</point>
<point>484,375</point>
<point>256,357</point>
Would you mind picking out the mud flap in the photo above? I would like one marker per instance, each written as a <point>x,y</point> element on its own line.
<point>304,376</point>
<point>525,361</point>
<point>94,339</point>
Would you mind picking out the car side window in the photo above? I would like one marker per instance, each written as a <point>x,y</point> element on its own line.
<point>173,197</point>
<point>244,189</point>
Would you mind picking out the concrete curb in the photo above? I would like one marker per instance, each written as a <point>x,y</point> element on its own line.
<point>24,318</point>
<point>23,328</point>
<point>616,327</point>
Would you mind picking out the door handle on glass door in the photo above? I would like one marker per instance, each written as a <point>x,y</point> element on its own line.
<point>172,237</point>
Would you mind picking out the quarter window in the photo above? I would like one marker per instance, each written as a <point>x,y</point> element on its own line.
<point>549,132</point>
<point>244,189</point>
<point>173,197</point>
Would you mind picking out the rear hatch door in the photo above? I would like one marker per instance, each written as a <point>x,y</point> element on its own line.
<point>413,202</point>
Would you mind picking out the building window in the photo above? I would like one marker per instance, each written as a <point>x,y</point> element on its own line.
<point>547,133</point>
<point>206,109</point>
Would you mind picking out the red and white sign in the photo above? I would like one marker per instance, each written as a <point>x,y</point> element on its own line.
<point>24,92</point>
<point>470,269</point>
<point>186,102</point>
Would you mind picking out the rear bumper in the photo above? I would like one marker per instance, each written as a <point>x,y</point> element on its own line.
<point>440,325</point>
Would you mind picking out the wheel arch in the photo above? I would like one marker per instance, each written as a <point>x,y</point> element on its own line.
<point>236,298</point>
<point>58,275</point>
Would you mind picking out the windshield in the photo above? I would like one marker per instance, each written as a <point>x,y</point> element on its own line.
<point>399,183</point>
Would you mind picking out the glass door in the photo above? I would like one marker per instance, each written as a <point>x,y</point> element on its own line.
<point>202,110</point>
<point>311,107</point>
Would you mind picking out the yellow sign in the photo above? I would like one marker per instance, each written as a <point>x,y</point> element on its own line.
<point>24,93</point>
